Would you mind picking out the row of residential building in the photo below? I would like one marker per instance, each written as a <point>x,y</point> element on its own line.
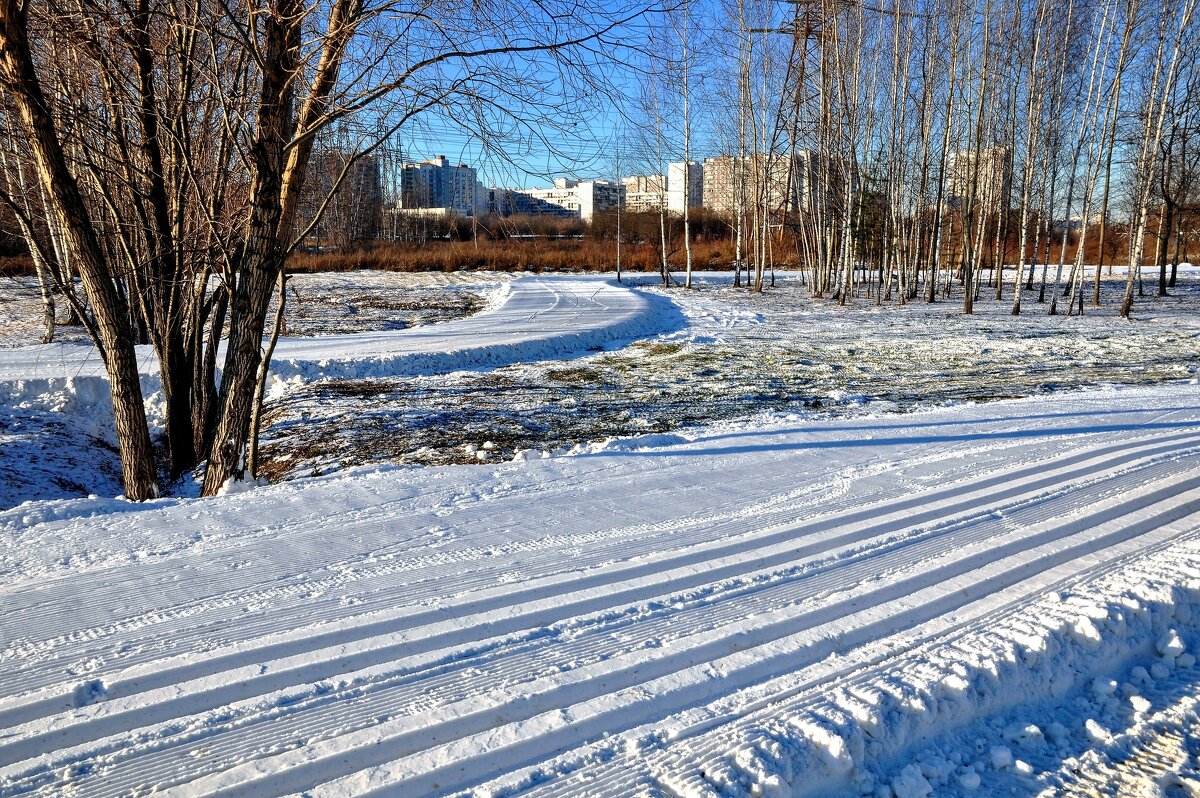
<point>439,187</point>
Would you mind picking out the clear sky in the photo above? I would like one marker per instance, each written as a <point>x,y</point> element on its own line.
<point>585,142</point>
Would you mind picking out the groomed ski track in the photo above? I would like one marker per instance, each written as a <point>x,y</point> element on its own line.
<point>530,317</point>
<point>755,609</point>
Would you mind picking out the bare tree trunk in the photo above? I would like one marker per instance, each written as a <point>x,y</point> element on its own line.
<point>44,285</point>
<point>1112,138</point>
<point>687,149</point>
<point>264,369</point>
<point>120,359</point>
<point>204,386</point>
<point>972,201</point>
<point>945,154</point>
<point>262,256</point>
<point>1166,216</point>
<point>620,202</point>
<point>16,185</point>
<point>1157,100</point>
<point>1166,220</point>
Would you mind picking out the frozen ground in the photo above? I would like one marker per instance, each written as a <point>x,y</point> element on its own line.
<point>738,355</point>
<point>55,418</point>
<point>386,394</point>
<point>968,598</point>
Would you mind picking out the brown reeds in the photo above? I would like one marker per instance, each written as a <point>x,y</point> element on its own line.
<point>506,256</point>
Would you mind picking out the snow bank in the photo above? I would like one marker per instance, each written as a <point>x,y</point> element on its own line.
<point>872,733</point>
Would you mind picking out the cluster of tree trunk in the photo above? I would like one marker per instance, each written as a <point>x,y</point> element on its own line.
<point>157,152</point>
<point>925,146</point>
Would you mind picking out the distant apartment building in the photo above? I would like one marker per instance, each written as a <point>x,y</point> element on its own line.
<point>518,202</point>
<point>583,198</point>
<point>787,182</point>
<point>685,185</point>
<point>992,181</point>
<point>438,185</point>
<point>644,193</point>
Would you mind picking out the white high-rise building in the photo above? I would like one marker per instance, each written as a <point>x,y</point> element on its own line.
<point>685,186</point>
<point>437,184</point>
<point>583,198</point>
<point>723,175</point>
<point>988,171</point>
<point>518,202</point>
<point>644,193</point>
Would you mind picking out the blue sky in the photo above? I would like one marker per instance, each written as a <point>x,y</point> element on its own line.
<point>584,142</point>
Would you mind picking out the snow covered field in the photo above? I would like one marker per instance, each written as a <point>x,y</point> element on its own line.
<point>737,355</point>
<point>55,416</point>
<point>980,598</point>
<point>318,304</point>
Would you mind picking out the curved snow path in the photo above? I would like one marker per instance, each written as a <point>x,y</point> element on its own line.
<point>693,619</point>
<point>536,317</point>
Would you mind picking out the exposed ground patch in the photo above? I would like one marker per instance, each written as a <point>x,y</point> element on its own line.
<point>743,354</point>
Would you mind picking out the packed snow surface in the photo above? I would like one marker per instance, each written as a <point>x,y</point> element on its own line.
<point>778,609</point>
<point>536,317</point>
<point>965,600</point>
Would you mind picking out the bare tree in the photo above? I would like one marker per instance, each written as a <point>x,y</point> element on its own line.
<point>173,144</point>
<point>1163,73</point>
<point>115,339</point>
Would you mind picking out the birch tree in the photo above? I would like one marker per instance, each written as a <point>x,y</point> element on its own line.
<point>1175,19</point>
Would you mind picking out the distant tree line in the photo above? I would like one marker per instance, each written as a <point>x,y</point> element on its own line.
<point>929,143</point>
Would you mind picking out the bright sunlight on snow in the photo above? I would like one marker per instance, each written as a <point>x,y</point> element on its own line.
<point>858,585</point>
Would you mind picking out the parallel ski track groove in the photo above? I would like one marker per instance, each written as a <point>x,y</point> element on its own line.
<point>461,774</point>
<point>414,695</point>
<point>68,612</point>
<point>1029,494</point>
<point>271,590</point>
<point>1041,475</point>
<point>61,611</point>
<point>614,781</point>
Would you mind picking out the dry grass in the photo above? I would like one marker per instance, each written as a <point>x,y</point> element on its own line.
<point>574,375</point>
<point>508,256</point>
<point>17,266</point>
<point>658,347</point>
<point>588,254</point>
